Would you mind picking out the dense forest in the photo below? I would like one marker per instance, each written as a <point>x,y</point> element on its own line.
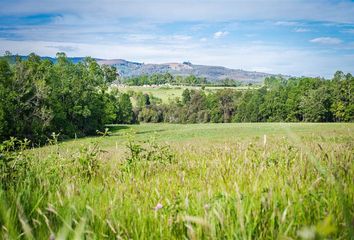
<point>39,97</point>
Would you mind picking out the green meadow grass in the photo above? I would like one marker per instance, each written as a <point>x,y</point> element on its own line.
<point>169,93</point>
<point>196,181</point>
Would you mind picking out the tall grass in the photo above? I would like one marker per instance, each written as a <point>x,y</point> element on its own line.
<point>272,188</point>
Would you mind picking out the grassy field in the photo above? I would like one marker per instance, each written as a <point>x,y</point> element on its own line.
<point>167,93</point>
<point>202,181</point>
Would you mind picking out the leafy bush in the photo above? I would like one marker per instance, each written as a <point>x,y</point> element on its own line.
<point>147,151</point>
<point>88,158</point>
<point>13,162</point>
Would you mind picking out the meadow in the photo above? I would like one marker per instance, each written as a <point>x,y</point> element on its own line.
<point>168,93</point>
<point>192,181</point>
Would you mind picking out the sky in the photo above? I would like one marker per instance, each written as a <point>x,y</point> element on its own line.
<point>293,37</point>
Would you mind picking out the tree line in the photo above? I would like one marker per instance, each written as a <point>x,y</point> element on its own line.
<point>301,99</point>
<point>167,78</point>
<point>39,97</point>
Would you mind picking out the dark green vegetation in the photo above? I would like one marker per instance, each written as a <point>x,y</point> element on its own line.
<point>38,97</point>
<point>196,181</point>
<point>292,100</point>
<point>167,78</point>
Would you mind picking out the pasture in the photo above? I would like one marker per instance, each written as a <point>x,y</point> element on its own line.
<point>196,181</point>
<point>166,93</point>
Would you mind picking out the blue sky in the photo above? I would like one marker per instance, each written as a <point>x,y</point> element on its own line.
<point>297,37</point>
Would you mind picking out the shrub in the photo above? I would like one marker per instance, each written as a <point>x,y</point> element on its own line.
<point>147,151</point>
<point>13,163</point>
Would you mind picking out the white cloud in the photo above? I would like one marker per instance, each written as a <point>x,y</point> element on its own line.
<point>220,34</point>
<point>261,69</point>
<point>66,48</point>
<point>286,23</point>
<point>180,37</point>
<point>302,30</point>
<point>326,40</point>
<point>250,35</point>
<point>167,39</point>
<point>139,37</point>
<point>349,31</point>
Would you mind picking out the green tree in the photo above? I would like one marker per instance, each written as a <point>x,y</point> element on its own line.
<point>5,82</point>
<point>186,96</point>
<point>316,105</point>
<point>125,109</point>
<point>343,97</point>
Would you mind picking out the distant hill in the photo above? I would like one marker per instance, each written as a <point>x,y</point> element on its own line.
<point>211,73</point>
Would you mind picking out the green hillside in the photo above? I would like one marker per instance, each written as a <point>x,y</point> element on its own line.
<point>199,181</point>
<point>167,93</point>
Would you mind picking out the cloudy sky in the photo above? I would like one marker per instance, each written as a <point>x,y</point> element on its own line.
<point>297,37</point>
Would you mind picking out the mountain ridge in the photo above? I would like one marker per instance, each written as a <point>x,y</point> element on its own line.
<point>211,73</point>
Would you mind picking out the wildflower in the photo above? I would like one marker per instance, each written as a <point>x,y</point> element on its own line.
<point>158,206</point>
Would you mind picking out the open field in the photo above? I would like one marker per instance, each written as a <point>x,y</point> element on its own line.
<point>166,93</point>
<point>202,181</point>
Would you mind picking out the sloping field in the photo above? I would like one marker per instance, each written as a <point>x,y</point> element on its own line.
<point>202,181</point>
<point>170,93</point>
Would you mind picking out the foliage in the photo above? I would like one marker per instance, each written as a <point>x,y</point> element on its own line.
<point>147,151</point>
<point>13,162</point>
<point>125,110</point>
<point>38,97</point>
<point>167,78</point>
<point>279,100</point>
